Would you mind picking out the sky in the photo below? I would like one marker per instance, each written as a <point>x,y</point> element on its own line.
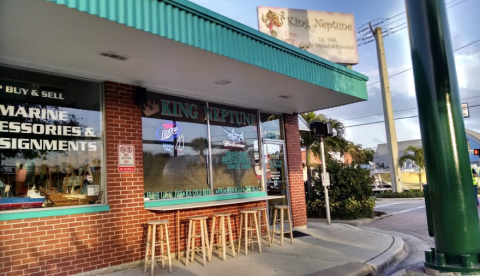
<point>464,30</point>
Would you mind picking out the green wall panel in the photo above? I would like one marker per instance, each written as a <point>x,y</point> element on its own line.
<point>51,212</point>
<point>167,202</point>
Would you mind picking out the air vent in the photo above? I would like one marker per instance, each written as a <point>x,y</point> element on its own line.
<point>114,55</point>
<point>285,96</point>
<point>223,81</point>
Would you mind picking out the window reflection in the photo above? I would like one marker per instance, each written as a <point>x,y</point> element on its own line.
<point>235,158</point>
<point>50,145</point>
<point>271,126</point>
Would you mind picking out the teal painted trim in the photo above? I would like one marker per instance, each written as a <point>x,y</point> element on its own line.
<point>52,212</point>
<point>191,24</point>
<point>156,203</point>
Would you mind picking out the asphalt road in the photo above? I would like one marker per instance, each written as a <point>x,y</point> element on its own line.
<point>407,216</point>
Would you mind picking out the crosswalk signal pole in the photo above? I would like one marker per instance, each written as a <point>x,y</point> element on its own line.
<point>322,130</point>
<point>324,179</point>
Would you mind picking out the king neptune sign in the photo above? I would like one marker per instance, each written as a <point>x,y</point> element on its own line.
<point>326,34</point>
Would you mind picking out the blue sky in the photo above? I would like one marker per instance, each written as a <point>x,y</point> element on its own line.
<point>464,29</point>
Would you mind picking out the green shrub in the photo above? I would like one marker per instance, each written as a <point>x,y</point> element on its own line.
<point>349,193</point>
<point>404,194</point>
<point>348,209</point>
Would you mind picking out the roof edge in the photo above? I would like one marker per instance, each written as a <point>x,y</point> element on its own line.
<point>240,27</point>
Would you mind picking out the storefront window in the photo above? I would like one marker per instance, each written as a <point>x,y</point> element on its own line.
<point>271,126</point>
<point>50,140</point>
<point>235,158</point>
<point>175,148</point>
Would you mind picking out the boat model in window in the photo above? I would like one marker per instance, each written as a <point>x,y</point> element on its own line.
<point>32,200</point>
<point>76,190</point>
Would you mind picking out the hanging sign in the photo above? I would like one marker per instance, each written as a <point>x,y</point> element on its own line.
<point>329,35</point>
<point>465,112</point>
<point>126,158</point>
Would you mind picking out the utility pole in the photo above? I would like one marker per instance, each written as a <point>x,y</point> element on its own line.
<point>395,172</point>
<point>454,215</point>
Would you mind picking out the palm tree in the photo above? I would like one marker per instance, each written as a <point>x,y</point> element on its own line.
<point>415,155</point>
<point>356,152</point>
<point>336,143</point>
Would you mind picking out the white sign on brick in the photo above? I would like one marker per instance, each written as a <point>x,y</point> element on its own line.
<point>126,158</point>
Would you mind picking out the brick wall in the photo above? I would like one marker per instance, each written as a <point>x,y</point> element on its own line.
<point>67,245</point>
<point>295,170</point>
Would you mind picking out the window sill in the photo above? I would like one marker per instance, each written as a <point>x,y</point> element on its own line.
<point>205,202</point>
<point>53,211</point>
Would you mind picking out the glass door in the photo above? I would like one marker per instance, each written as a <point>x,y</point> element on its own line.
<point>276,176</point>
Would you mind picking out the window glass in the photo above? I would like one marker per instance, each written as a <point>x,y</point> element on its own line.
<point>271,126</point>
<point>234,142</point>
<point>175,148</point>
<point>50,140</point>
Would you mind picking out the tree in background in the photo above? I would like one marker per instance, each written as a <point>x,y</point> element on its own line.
<point>359,154</point>
<point>415,155</point>
<point>369,154</point>
<point>335,143</point>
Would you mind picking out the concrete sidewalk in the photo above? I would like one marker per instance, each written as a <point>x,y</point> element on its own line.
<point>337,249</point>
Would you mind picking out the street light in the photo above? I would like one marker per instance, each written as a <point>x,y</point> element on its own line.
<point>322,130</point>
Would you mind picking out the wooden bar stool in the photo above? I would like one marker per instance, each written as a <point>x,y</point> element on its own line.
<point>271,206</point>
<point>262,212</point>
<point>245,217</point>
<point>192,235</point>
<point>152,243</point>
<point>221,244</point>
<point>281,209</point>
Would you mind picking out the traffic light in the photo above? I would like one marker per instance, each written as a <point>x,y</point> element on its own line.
<point>476,152</point>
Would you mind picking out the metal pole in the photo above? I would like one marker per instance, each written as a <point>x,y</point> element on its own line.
<point>395,171</point>
<point>325,190</point>
<point>454,212</point>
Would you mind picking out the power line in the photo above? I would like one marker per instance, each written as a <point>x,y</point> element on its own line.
<point>411,68</point>
<point>455,4</point>
<point>390,18</point>
<point>368,23</point>
<point>467,45</point>
<point>377,114</point>
<point>407,117</point>
<point>394,22</point>
<point>400,110</point>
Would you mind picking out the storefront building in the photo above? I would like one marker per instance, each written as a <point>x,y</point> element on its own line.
<point>114,113</point>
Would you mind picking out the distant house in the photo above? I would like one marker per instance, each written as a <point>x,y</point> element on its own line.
<point>381,160</point>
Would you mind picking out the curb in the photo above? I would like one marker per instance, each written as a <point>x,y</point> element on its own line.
<point>378,265</point>
<point>354,222</point>
<point>349,269</point>
<point>385,260</point>
<point>399,198</point>
<point>389,257</point>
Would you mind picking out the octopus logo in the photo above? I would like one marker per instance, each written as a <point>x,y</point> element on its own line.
<point>273,19</point>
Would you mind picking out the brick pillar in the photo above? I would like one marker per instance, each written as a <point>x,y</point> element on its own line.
<point>295,171</point>
<point>123,125</point>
